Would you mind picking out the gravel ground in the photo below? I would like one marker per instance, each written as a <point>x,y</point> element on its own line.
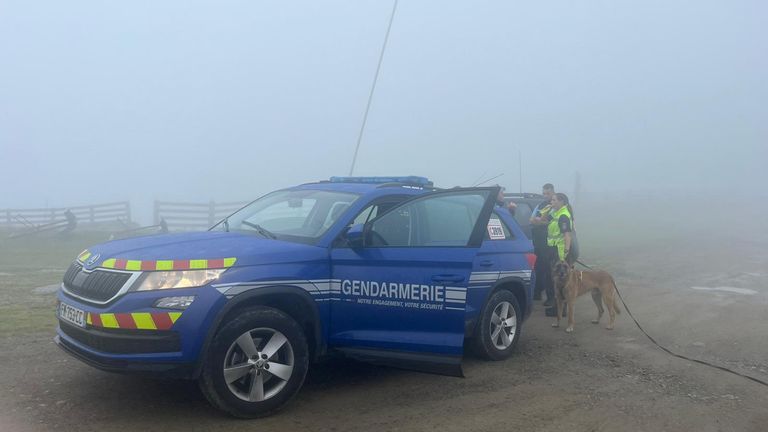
<point>590,380</point>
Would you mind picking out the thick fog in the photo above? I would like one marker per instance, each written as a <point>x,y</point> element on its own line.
<point>190,100</point>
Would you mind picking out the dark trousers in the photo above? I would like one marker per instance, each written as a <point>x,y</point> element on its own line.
<point>545,259</point>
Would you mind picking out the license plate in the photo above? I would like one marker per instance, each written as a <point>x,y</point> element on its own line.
<point>72,314</point>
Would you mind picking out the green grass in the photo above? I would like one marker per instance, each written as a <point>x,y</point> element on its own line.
<point>31,262</point>
<point>20,320</point>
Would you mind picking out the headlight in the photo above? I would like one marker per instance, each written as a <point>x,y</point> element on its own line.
<point>178,279</point>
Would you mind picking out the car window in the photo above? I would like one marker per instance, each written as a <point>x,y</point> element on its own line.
<point>284,215</point>
<point>370,212</point>
<point>442,220</point>
<point>367,214</point>
<point>523,213</point>
<point>291,214</point>
<point>497,229</point>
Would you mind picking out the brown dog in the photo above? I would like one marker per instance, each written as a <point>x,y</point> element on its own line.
<point>570,283</point>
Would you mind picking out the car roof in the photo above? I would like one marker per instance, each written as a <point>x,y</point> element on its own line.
<point>364,185</point>
<point>364,188</point>
<point>527,195</point>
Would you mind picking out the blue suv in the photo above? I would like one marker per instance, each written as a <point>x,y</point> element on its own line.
<point>387,270</point>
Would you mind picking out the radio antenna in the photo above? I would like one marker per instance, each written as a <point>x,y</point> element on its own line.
<point>373,88</point>
<point>486,181</point>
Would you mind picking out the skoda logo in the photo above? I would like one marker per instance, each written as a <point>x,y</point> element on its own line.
<point>92,260</point>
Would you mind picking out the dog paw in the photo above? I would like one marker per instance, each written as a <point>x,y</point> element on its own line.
<point>554,324</point>
<point>569,330</point>
<point>609,327</point>
<point>595,321</point>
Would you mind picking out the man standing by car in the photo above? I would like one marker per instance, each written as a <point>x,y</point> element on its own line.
<point>539,221</point>
<point>500,201</point>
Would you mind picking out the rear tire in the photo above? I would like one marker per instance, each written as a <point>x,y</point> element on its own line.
<point>256,363</point>
<point>498,330</point>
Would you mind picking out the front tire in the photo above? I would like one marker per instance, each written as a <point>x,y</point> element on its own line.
<point>256,363</point>
<point>499,328</point>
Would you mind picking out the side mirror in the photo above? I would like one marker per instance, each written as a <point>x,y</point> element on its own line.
<point>356,236</point>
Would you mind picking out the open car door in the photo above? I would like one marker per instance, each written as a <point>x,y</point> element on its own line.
<point>404,277</point>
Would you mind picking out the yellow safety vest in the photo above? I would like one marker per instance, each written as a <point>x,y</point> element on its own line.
<point>554,236</point>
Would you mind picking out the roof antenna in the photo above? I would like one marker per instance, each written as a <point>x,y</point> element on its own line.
<point>486,181</point>
<point>373,87</point>
<point>520,170</point>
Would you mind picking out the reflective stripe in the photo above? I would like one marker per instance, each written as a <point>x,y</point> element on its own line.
<point>84,255</point>
<point>144,321</point>
<point>108,320</point>
<point>198,264</point>
<point>164,265</point>
<point>162,321</point>
<point>135,320</point>
<point>167,265</point>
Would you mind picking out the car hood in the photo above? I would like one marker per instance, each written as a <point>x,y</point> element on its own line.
<point>209,245</point>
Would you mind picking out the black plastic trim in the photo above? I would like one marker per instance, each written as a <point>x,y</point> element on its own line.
<point>166,370</point>
<point>469,327</point>
<point>124,341</point>
<point>430,363</point>
<point>254,294</point>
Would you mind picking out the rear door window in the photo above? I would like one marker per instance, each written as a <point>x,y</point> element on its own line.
<point>497,229</point>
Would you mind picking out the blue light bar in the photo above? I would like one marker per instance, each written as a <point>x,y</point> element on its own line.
<point>409,180</point>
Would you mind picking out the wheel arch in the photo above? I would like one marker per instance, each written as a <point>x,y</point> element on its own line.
<point>294,301</point>
<point>514,284</point>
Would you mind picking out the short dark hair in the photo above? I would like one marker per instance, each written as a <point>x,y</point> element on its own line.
<point>548,186</point>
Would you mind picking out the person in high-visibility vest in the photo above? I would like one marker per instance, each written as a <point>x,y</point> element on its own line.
<point>539,221</point>
<point>560,227</point>
<point>560,236</point>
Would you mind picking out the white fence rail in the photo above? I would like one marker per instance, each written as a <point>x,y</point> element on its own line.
<point>186,216</point>
<point>89,214</point>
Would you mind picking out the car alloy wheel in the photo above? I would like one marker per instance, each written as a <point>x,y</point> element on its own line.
<point>503,325</point>
<point>258,364</point>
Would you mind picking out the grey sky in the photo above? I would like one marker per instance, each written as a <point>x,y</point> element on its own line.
<point>197,100</point>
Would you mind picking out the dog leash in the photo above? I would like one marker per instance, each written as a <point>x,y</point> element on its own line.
<point>666,350</point>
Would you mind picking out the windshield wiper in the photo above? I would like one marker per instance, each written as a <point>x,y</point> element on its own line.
<point>260,229</point>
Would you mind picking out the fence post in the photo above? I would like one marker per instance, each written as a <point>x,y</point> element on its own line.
<point>211,213</point>
<point>128,211</point>
<point>8,216</point>
<point>157,212</point>
<point>53,215</point>
<point>90,210</point>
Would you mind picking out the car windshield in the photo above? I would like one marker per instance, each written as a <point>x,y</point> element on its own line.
<point>293,215</point>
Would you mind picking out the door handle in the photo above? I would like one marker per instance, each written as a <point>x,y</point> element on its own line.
<point>447,278</point>
<point>486,263</point>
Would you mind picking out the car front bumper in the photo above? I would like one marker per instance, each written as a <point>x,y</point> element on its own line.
<point>126,336</point>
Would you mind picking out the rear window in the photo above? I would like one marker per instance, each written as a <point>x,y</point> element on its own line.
<point>523,213</point>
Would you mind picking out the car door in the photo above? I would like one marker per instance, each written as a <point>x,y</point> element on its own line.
<point>403,286</point>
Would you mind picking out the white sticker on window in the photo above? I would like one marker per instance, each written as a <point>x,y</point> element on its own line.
<point>495,230</point>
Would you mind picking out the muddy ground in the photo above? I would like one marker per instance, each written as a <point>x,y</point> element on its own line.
<point>701,294</point>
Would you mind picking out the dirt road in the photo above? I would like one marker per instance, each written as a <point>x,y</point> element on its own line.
<point>693,297</point>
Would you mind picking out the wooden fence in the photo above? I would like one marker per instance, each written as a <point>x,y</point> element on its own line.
<point>193,216</point>
<point>92,214</point>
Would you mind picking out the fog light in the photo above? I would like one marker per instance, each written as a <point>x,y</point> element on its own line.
<point>180,302</point>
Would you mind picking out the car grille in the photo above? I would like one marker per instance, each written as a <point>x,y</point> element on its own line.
<point>124,342</point>
<point>98,285</point>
